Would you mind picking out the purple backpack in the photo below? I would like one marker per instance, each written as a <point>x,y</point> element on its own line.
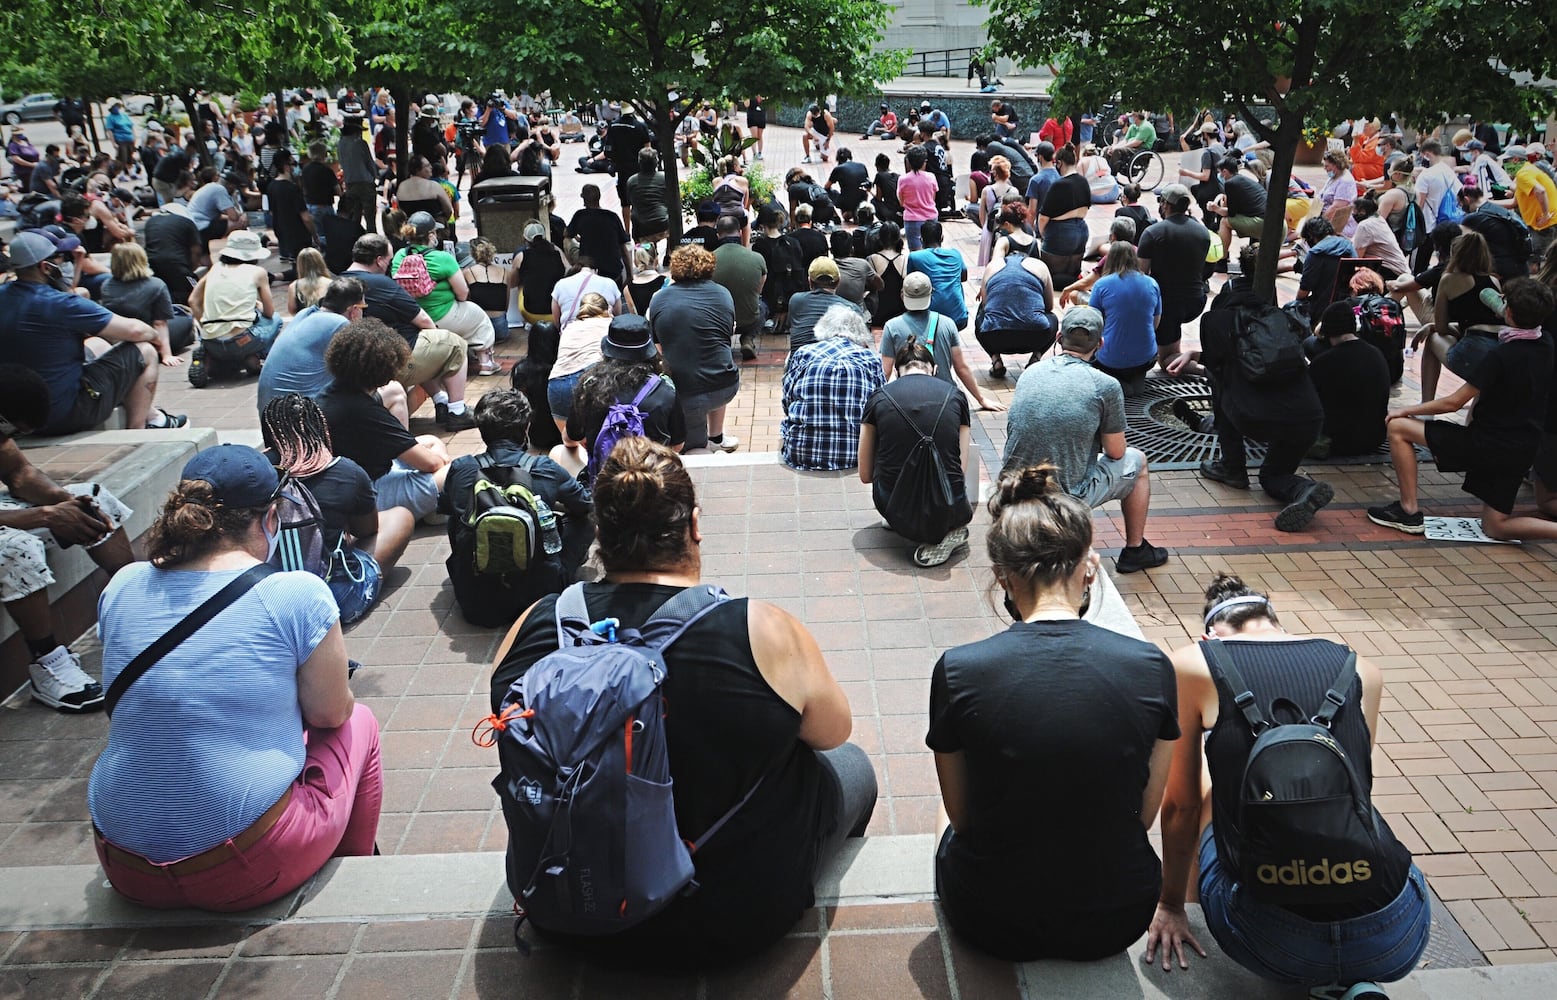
<point>622,420</point>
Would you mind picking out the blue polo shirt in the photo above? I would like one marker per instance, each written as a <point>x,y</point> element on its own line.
<point>497,126</point>
<point>42,327</point>
<point>296,360</point>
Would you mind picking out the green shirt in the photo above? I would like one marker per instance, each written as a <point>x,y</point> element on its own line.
<point>442,266</point>
<point>1144,132</point>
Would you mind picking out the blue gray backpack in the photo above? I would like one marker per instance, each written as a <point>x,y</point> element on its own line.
<point>586,789</point>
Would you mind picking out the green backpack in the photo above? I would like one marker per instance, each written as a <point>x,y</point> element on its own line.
<point>504,519</point>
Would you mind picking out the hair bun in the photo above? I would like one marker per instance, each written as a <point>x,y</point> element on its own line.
<point>1031,483</point>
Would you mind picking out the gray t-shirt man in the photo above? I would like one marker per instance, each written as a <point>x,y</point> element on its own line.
<point>1059,414</point>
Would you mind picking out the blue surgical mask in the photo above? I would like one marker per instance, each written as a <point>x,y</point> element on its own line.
<point>272,539</point>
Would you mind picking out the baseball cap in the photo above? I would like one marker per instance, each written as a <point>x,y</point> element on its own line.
<point>1209,127</point>
<point>534,231</point>
<point>30,249</point>
<point>1176,195</point>
<point>628,339</point>
<point>1514,153</point>
<point>422,223</point>
<point>64,240</point>
<point>430,109</point>
<point>924,105</point>
<point>239,475</point>
<point>1082,318</point>
<point>823,269</point>
<point>916,291</point>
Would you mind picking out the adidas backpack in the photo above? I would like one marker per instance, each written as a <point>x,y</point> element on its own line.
<point>413,276</point>
<point>300,536</point>
<point>586,789</point>
<point>1305,831</point>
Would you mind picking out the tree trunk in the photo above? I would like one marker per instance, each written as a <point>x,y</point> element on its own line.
<point>665,140</point>
<point>401,96</point>
<point>97,142</point>
<point>1289,132</point>
<point>196,128</point>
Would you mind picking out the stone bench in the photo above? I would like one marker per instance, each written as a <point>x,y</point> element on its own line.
<point>140,467</point>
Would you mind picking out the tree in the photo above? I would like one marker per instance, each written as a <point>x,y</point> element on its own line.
<point>643,51</point>
<point>1311,62</point>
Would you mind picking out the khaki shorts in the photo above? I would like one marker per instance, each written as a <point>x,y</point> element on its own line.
<point>1246,226</point>
<point>437,353</point>
<point>1110,478</point>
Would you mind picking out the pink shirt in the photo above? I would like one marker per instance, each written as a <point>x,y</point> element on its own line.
<point>916,193</point>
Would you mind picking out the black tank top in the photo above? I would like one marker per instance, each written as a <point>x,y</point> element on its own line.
<point>1298,672</point>
<point>725,728</point>
<point>889,301</point>
<point>1466,309</point>
<point>491,296</point>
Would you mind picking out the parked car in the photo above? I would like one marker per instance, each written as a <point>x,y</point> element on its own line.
<point>32,108</point>
<point>139,104</point>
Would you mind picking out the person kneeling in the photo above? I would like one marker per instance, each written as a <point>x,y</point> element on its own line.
<point>826,386</point>
<point>492,592</point>
<point>1306,890</point>
<point>263,767</point>
<point>1097,722</point>
<point>1498,446</point>
<point>900,415</point>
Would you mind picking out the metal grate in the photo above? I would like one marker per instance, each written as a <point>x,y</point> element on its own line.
<point>1170,444</point>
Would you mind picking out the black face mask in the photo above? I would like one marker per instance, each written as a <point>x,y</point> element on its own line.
<point>1011,609</point>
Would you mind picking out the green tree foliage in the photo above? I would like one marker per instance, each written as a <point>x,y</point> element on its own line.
<point>642,51</point>
<point>1310,61</point>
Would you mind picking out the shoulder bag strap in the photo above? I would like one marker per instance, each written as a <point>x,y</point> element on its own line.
<point>1220,662</point>
<point>648,387</point>
<point>582,288</point>
<point>1335,698</point>
<point>192,623</point>
<point>572,614</point>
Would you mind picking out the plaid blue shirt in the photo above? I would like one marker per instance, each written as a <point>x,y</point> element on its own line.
<point>826,385</point>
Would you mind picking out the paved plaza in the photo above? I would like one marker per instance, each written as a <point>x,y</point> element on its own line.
<point>1465,764</point>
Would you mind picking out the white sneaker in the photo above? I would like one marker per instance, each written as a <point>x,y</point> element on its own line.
<point>728,443</point>
<point>806,160</point>
<point>64,685</point>
<point>934,555</point>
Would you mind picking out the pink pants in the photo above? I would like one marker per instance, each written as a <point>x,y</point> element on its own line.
<point>333,813</point>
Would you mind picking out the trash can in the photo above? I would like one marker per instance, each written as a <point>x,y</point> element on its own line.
<point>503,206</point>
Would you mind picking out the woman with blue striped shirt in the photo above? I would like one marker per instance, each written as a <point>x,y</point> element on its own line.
<point>238,762</point>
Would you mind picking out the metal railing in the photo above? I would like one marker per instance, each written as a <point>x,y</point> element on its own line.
<point>939,62</point>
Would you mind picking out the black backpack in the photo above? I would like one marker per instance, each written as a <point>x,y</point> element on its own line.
<point>1382,323</point>
<point>487,595</point>
<point>786,267</point>
<point>1305,831</point>
<point>1268,344</point>
<point>921,506</point>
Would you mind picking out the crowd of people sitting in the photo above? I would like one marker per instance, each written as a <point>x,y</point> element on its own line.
<point>631,361</point>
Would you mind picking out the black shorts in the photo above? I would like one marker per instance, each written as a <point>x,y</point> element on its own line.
<point>1175,313</point>
<point>105,381</point>
<point>1495,482</point>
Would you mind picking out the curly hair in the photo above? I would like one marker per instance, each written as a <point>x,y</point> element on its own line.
<point>193,523</point>
<point>603,385</point>
<point>691,263</point>
<point>366,354</point>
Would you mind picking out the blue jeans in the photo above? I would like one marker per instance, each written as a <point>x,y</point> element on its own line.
<point>355,581</point>
<point>559,394</point>
<point>1380,947</point>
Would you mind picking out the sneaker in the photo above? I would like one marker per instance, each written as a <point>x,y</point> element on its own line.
<point>1297,515</point>
<point>1395,516</point>
<point>170,421</point>
<point>727,443</point>
<point>806,160</point>
<point>65,686</point>
<point>440,413</point>
<point>934,555</point>
<point>748,349</point>
<point>199,374</point>
<point>463,421</point>
<point>1143,556</point>
<point>1356,991</point>
<point>1219,473</point>
<point>488,364</point>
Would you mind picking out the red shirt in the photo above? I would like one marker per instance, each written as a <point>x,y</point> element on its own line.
<point>1056,132</point>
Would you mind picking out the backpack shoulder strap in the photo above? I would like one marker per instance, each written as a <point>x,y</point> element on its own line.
<point>174,637</point>
<point>1221,663</point>
<point>680,613</point>
<point>572,614</point>
<point>1335,698</point>
<point>648,387</point>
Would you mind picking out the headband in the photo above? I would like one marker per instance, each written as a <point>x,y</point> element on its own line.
<point>1233,602</point>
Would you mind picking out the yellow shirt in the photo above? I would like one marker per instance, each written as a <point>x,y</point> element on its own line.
<point>1526,182</point>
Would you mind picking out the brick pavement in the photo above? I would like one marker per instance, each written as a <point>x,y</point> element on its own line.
<point>1466,757</point>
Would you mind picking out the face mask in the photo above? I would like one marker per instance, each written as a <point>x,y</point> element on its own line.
<point>63,276</point>
<point>272,539</point>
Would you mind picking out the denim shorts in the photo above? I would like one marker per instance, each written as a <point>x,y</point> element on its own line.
<point>355,580</point>
<point>559,394</point>
<point>1380,947</point>
<point>403,486</point>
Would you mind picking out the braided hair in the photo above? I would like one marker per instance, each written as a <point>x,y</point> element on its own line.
<point>293,426</point>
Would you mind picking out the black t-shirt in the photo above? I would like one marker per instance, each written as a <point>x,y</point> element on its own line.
<point>600,237</point>
<point>146,300</point>
<point>174,162</point>
<point>1245,195</point>
<point>1177,248</point>
<point>886,193</point>
<point>1139,214</point>
<point>318,184</point>
<point>540,268</point>
<point>1510,415</point>
<point>363,431</point>
<point>344,491</point>
<point>1352,379</point>
<point>921,397</point>
<point>171,239</point>
<point>852,179</point>
<point>647,194</point>
<point>663,420</point>
<point>390,304</point>
<point>1047,712</point>
<point>1066,195</point>
<point>813,244</point>
<point>287,206</point>
<point>625,139</point>
<point>701,236</point>
<point>724,729</point>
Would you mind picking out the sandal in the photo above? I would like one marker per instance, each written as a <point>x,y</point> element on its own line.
<point>997,369</point>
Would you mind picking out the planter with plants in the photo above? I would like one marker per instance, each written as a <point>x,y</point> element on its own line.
<point>697,185</point>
